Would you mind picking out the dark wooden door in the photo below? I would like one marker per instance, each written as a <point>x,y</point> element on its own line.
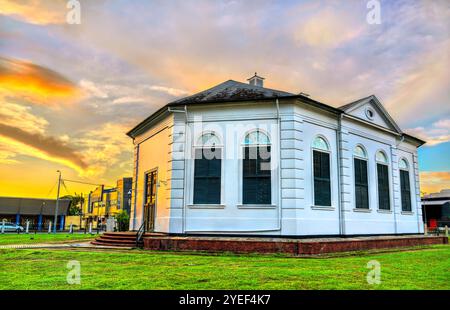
<point>150,200</point>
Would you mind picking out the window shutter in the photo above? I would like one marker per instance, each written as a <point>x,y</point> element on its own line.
<point>361,184</point>
<point>383,187</point>
<point>207,178</point>
<point>256,187</point>
<point>405,190</point>
<point>322,184</point>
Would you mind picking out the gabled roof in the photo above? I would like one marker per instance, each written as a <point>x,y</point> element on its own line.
<point>348,108</point>
<point>232,90</point>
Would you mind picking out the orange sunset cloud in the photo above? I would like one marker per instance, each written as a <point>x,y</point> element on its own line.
<point>35,11</point>
<point>433,182</point>
<point>22,132</point>
<point>38,84</point>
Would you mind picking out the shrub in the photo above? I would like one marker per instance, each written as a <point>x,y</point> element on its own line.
<point>123,220</point>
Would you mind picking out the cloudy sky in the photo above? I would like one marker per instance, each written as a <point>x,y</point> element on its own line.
<point>68,93</point>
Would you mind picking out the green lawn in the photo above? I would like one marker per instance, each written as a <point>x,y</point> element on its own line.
<point>42,238</point>
<point>427,268</point>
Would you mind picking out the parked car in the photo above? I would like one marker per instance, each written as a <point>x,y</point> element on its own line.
<point>11,227</point>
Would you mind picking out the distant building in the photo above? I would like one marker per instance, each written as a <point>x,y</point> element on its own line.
<point>124,193</point>
<point>436,209</point>
<point>36,210</point>
<point>108,202</point>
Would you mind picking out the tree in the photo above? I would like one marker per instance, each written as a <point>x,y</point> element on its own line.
<point>123,220</point>
<point>76,202</point>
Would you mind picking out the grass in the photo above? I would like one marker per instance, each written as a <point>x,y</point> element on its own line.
<point>12,238</point>
<point>427,268</point>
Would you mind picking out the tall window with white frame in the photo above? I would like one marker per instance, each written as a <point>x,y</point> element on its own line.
<point>405,187</point>
<point>321,171</point>
<point>361,179</point>
<point>207,170</point>
<point>384,200</point>
<point>256,176</point>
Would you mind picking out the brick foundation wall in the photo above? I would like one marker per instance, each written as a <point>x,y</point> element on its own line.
<point>287,246</point>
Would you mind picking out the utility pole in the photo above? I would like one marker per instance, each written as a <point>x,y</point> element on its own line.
<point>82,208</point>
<point>57,202</point>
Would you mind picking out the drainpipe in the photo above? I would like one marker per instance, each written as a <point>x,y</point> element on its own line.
<point>340,210</point>
<point>135,187</point>
<point>401,140</point>
<point>183,228</point>
<point>280,212</point>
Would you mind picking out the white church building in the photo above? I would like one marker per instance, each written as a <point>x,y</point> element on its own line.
<point>243,159</point>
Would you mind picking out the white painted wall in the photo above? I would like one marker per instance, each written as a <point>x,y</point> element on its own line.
<point>152,153</point>
<point>231,125</point>
<point>374,220</point>
<point>377,221</point>
<point>300,215</point>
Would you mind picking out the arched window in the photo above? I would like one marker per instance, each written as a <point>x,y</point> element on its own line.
<point>208,139</point>
<point>321,172</point>
<point>319,143</point>
<point>207,170</point>
<point>361,178</point>
<point>256,183</point>
<point>384,201</point>
<point>381,157</point>
<point>403,165</point>
<point>256,137</point>
<point>405,186</point>
<point>360,152</point>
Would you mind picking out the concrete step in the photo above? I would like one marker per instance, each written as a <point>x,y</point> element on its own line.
<point>120,234</point>
<point>127,245</point>
<point>125,239</point>
<point>114,240</point>
<point>118,237</point>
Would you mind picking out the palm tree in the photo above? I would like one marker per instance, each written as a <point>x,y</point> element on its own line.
<point>76,202</point>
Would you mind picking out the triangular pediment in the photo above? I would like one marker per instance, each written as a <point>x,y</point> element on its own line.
<point>372,111</point>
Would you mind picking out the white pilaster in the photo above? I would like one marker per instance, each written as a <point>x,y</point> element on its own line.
<point>345,175</point>
<point>292,173</point>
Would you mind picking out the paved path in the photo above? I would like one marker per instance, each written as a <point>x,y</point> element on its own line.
<point>35,245</point>
<point>59,245</point>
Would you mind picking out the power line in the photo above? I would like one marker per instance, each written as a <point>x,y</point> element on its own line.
<point>65,187</point>
<point>52,189</point>
<point>73,181</point>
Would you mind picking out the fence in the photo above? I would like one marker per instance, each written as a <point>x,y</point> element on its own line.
<point>437,230</point>
<point>48,227</point>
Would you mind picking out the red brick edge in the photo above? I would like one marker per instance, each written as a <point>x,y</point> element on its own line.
<point>309,248</point>
<point>292,247</point>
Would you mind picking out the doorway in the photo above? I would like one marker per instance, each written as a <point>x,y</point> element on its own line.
<point>150,200</point>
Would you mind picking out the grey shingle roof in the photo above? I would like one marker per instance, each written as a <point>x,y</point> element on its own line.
<point>232,90</point>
